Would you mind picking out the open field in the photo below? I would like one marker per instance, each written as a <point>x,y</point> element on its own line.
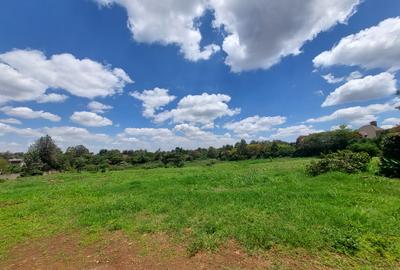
<point>234,215</point>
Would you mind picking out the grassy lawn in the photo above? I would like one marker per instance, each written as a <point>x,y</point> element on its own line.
<point>260,204</point>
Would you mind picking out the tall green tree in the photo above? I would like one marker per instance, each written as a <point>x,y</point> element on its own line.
<point>43,155</point>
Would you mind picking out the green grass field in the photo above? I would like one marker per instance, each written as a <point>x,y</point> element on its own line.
<point>260,204</point>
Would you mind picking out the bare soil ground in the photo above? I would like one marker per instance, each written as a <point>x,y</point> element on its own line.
<point>117,251</point>
<point>9,176</point>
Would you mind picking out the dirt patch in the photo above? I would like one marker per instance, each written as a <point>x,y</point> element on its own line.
<point>9,176</point>
<point>117,251</point>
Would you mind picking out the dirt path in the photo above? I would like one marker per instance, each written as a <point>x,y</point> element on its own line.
<point>9,176</point>
<point>116,251</point>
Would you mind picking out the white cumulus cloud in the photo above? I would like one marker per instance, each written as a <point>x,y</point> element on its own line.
<point>52,98</point>
<point>357,115</point>
<point>293,132</point>
<point>391,122</point>
<point>329,78</point>
<point>168,22</point>
<point>375,47</point>
<point>183,135</point>
<point>98,107</point>
<point>28,113</point>
<point>15,86</point>
<point>261,32</point>
<point>153,100</point>
<point>24,132</point>
<point>90,119</point>
<point>255,124</point>
<point>27,74</point>
<point>201,109</point>
<point>11,121</point>
<point>367,88</point>
<point>258,32</point>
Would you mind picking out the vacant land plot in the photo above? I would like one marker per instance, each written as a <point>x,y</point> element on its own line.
<point>251,214</point>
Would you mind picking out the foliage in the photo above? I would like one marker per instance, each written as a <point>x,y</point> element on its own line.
<point>325,142</point>
<point>3,165</point>
<point>261,204</point>
<point>390,161</point>
<point>79,158</point>
<point>366,145</point>
<point>343,161</point>
<point>33,164</point>
<point>43,155</point>
<point>174,158</point>
<point>114,157</point>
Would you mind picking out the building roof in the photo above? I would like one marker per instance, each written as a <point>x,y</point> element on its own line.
<point>370,131</point>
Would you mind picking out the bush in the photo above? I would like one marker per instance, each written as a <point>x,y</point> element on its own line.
<point>368,147</point>
<point>325,142</point>
<point>3,165</point>
<point>343,161</point>
<point>390,161</point>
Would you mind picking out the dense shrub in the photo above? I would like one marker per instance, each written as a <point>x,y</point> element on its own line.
<point>343,161</point>
<point>325,142</point>
<point>367,146</point>
<point>390,161</point>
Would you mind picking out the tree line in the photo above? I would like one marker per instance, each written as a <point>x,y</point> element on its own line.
<point>44,155</point>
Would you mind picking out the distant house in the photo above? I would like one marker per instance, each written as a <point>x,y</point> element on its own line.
<point>16,162</point>
<point>370,131</point>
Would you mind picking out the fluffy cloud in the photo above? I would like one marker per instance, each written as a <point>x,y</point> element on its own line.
<point>329,78</point>
<point>12,147</point>
<point>206,138</point>
<point>293,132</point>
<point>67,135</point>
<point>157,133</point>
<point>52,98</point>
<point>201,109</point>
<point>28,113</point>
<point>168,22</point>
<point>258,32</point>
<point>367,88</point>
<point>255,124</point>
<point>90,119</point>
<point>18,87</point>
<point>354,75</point>
<point>375,47</point>
<point>183,135</point>
<point>11,121</point>
<point>261,32</point>
<point>356,115</point>
<point>27,74</point>
<point>391,122</point>
<point>98,107</point>
<point>153,100</point>
<point>64,136</point>
<point>24,132</point>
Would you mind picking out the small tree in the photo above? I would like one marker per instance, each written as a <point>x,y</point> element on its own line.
<point>43,155</point>
<point>77,157</point>
<point>241,149</point>
<point>32,163</point>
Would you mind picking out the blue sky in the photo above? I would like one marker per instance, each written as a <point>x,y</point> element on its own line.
<point>212,71</point>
